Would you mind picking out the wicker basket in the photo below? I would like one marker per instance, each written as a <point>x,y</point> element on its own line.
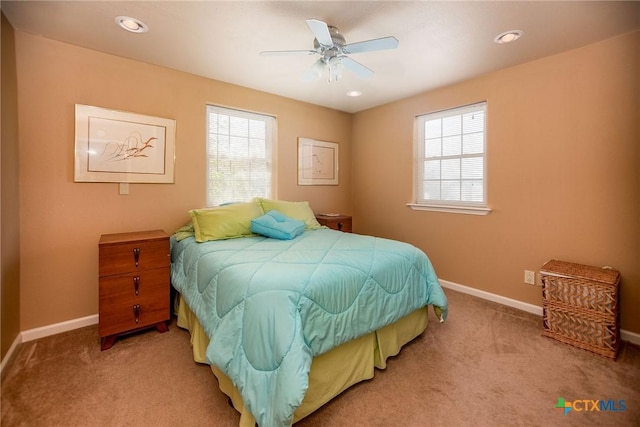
<point>580,306</point>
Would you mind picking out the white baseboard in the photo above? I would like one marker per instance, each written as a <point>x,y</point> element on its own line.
<point>632,337</point>
<point>530,308</point>
<point>629,336</point>
<point>45,331</point>
<point>6,360</point>
<point>56,328</point>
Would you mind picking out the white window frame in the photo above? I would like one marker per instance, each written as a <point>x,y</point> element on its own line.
<point>269,154</point>
<point>442,205</point>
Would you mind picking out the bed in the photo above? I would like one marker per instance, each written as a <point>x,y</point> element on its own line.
<point>288,321</point>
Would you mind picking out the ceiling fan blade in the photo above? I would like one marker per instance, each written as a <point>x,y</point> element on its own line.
<point>286,52</point>
<point>356,67</point>
<point>315,72</point>
<point>371,45</point>
<point>321,31</point>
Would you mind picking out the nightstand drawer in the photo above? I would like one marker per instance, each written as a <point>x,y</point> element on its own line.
<point>131,257</point>
<point>132,286</point>
<point>126,316</point>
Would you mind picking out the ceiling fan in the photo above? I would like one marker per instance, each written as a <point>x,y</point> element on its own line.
<point>333,51</point>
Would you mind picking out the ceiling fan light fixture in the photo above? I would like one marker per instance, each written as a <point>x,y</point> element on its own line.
<point>354,93</point>
<point>508,36</point>
<point>317,69</point>
<point>132,25</point>
<point>334,52</point>
<point>335,69</point>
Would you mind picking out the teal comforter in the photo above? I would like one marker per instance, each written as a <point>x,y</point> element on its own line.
<point>269,306</point>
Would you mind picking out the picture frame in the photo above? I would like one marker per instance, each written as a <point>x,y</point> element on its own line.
<point>118,146</point>
<point>317,162</point>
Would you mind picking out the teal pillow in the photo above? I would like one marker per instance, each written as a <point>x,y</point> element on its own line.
<point>296,210</point>
<point>277,225</point>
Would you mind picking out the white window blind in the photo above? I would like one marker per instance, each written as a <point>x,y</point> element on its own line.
<point>240,148</point>
<point>450,158</point>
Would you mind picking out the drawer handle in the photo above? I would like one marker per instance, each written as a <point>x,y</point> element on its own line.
<point>136,312</point>
<point>136,255</point>
<point>136,284</point>
<point>339,226</point>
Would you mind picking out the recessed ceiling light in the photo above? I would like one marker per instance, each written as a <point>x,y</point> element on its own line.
<point>132,24</point>
<point>354,93</point>
<point>508,36</point>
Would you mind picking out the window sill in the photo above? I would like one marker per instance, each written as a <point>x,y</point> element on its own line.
<point>468,210</point>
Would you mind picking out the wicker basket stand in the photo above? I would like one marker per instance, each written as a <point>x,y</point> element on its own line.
<point>580,306</point>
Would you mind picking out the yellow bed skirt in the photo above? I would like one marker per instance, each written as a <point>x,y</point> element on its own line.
<point>331,373</point>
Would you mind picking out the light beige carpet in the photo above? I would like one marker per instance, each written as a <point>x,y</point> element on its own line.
<point>488,365</point>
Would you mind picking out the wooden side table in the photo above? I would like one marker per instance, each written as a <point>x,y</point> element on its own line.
<point>134,283</point>
<point>336,222</point>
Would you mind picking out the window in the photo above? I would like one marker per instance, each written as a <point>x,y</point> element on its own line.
<point>450,161</point>
<point>240,147</point>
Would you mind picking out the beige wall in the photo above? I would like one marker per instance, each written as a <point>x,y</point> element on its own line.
<point>10,213</point>
<point>62,220</point>
<point>563,150</point>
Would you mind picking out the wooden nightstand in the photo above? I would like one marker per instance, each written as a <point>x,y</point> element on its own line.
<point>134,283</point>
<point>336,222</point>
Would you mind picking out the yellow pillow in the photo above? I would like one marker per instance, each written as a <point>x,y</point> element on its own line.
<point>296,210</point>
<point>224,222</point>
<point>184,231</point>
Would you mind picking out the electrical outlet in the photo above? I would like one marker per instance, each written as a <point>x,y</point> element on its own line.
<point>530,277</point>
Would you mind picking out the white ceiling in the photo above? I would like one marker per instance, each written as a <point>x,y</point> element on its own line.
<point>441,42</point>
